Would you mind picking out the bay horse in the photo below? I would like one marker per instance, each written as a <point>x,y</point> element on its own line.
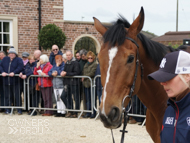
<point>124,45</point>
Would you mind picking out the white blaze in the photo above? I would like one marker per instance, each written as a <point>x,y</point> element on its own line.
<point>112,54</point>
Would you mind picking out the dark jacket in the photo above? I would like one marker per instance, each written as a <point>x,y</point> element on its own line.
<point>8,66</point>
<point>29,69</point>
<point>98,79</point>
<point>52,57</point>
<point>176,122</point>
<point>57,81</point>
<point>89,70</point>
<point>72,68</point>
<point>82,63</point>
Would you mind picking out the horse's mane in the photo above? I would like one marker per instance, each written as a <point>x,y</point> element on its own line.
<point>116,34</point>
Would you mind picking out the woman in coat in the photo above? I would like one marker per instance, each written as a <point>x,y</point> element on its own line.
<point>42,68</point>
<point>89,70</point>
<point>58,85</point>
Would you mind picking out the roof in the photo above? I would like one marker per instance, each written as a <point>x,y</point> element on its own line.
<point>173,36</point>
<point>149,35</point>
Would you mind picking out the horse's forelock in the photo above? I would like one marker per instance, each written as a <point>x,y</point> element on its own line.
<point>117,32</point>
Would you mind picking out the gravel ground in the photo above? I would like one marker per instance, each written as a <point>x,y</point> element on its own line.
<point>38,129</point>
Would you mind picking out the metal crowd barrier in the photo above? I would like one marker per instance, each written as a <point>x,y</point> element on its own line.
<point>81,111</point>
<point>94,101</point>
<point>8,89</point>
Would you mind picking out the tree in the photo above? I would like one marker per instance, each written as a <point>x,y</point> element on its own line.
<point>50,35</point>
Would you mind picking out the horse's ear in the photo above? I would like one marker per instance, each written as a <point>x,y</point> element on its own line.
<point>99,27</point>
<point>137,25</point>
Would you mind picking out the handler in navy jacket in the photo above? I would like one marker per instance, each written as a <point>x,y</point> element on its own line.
<point>174,75</point>
<point>11,65</point>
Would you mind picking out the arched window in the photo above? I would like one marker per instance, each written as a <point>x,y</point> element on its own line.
<point>85,43</point>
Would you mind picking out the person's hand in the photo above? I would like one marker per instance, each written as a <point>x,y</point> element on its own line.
<point>42,74</point>
<point>54,73</point>
<point>11,74</point>
<point>63,73</point>
<point>20,75</point>
<point>23,77</point>
<point>58,64</point>
<point>38,64</point>
<point>4,74</point>
<point>82,79</point>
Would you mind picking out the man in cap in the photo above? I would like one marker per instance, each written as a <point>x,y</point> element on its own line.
<point>10,66</point>
<point>25,56</point>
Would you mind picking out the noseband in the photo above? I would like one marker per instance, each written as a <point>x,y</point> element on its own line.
<point>130,93</point>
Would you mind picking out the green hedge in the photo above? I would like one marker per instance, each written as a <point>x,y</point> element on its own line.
<point>50,35</point>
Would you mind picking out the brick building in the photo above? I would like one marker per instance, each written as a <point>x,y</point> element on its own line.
<point>19,21</point>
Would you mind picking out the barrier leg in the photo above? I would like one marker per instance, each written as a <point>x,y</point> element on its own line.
<point>11,112</point>
<point>96,116</point>
<point>80,115</point>
<point>33,112</point>
<point>143,122</point>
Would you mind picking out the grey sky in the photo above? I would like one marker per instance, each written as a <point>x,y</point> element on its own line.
<point>160,15</point>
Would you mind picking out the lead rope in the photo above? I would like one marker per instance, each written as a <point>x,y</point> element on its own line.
<point>124,126</point>
<point>112,136</point>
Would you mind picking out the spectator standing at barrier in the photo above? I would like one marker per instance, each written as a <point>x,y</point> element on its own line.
<point>64,58</point>
<point>89,70</point>
<point>11,65</point>
<point>72,68</point>
<point>25,61</point>
<point>78,57</point>
<point>2,55</point>
<point>83,60</point>
<point>98,88</point>
<point>58,84</point>
<point>55,51</point>
<point>42,68</point>
<point>37,54</point>
<point>28,70</point>
<point>174,76</point>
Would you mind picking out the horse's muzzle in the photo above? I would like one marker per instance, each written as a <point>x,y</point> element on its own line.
<point>113,119</point>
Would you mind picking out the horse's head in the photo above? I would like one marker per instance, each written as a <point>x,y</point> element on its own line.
<point>117,57</point>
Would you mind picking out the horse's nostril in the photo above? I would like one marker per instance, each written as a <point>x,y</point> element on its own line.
<point>114,114</point>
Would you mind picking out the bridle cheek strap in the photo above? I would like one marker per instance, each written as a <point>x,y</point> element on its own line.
<point>131,92</point>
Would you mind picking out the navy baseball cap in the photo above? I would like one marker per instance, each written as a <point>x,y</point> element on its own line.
<point>172,64</point>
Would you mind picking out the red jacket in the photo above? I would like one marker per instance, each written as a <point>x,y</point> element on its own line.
<point>44,81</point>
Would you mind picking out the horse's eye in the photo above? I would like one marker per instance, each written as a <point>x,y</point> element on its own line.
<point>130,59</point>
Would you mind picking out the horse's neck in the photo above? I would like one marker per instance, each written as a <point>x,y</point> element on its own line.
<point>151,93</point>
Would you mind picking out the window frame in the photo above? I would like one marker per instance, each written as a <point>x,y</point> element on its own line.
<point>10,33</point>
